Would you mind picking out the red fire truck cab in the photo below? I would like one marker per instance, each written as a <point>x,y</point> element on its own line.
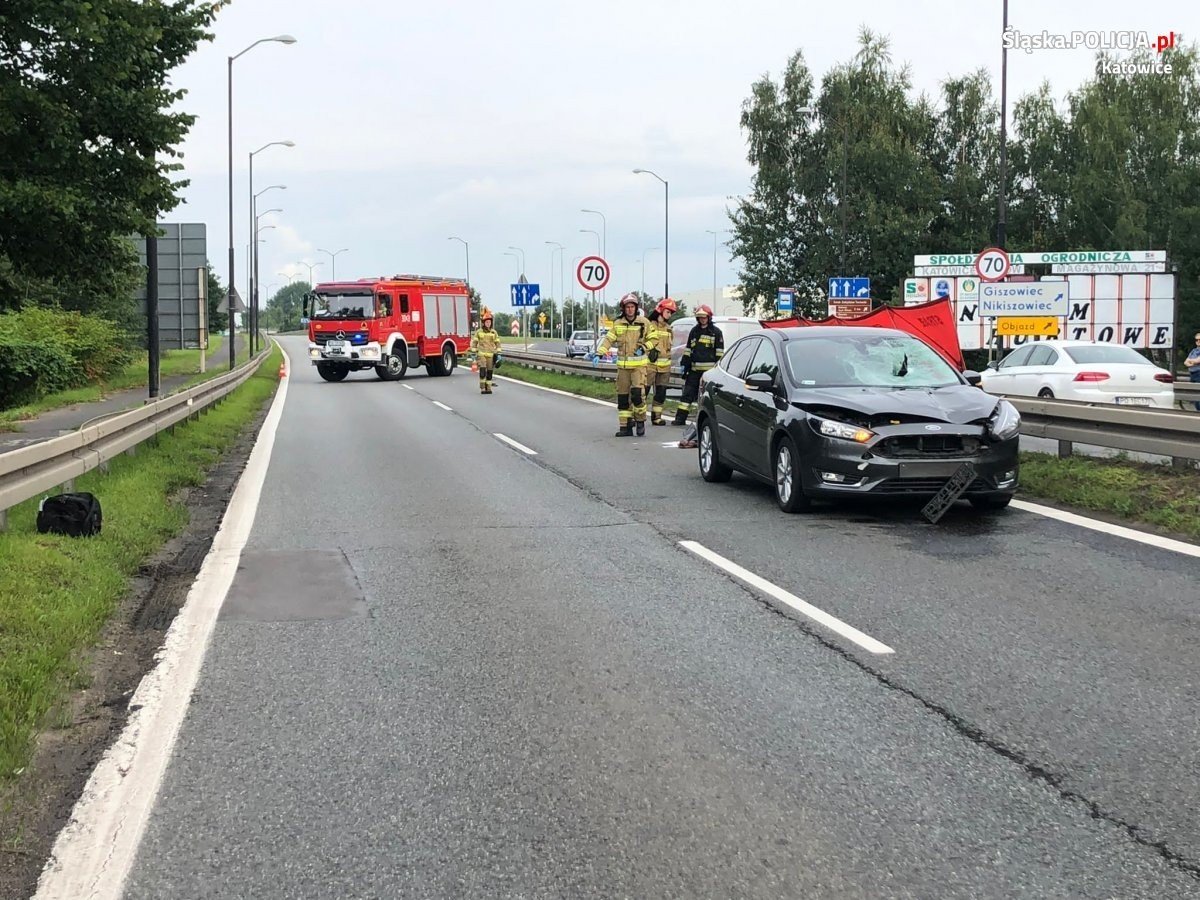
<point>389,325</point>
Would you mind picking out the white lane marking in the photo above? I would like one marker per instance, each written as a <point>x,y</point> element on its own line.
<point>555,391</point>
<point>1130,534</point>
<point>442,405</point>
<point>833,623</point>
<point>407,387</point>
<point>95,850</point>
<point>513,443</point>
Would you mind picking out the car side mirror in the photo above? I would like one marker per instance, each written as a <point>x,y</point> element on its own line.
<point>761,381</point>
<point>994,365</point>
<point>973,378</point>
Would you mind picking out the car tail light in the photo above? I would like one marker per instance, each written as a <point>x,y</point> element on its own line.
<point>1091,376</point>
<point>1164,377</point>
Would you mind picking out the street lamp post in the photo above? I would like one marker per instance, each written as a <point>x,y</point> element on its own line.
<point>559,248</point>
<point>524,309</point>
<point>252,299</point>
<point>714,234</point>
<point>467,248</point>
<point>310,266</point>
<point>333,261</point>
<point>666,227</point>
<point>280,39</point>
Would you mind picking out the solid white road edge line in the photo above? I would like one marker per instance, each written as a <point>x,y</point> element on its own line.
<point>849,632</point>
<point>1141,537</point>
<point>94,852</point>
<point>513,443</point>
<point>442,405</point>
<point>407,387</point>
<point>554,391</point>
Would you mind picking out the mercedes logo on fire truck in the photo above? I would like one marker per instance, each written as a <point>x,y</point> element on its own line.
<point>341,335</point>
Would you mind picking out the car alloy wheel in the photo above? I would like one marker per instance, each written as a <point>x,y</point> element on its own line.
<point>783,474</point>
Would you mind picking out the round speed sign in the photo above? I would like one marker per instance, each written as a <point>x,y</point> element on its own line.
<point>992,264</point>
<point>592,273</point>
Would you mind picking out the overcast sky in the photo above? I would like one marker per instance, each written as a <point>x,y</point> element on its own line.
<point>499,122</point>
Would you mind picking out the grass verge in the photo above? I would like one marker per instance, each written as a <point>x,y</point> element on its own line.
<point>135,375</point>
<point>1141,492</point>
<point>56,593</point>
<point>572,384</point>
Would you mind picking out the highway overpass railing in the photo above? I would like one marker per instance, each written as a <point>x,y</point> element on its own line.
<point>32,470</point>
<point>1160,432</point>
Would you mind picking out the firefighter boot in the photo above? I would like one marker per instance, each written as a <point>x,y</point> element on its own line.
<point>680,417</point>
<point>657,420</point>
<point>626,430</point>
<point>641,427</point>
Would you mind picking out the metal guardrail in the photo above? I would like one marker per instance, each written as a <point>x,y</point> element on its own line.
<point>29,471</point>
<point>1156,431</point>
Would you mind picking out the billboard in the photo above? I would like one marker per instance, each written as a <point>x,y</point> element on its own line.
<point>182,284</point>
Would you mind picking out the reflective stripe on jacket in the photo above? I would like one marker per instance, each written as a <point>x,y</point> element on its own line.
<point>705,347</point>
<point>485,341</point>
<point>659,338</point>
<point>628,337</point>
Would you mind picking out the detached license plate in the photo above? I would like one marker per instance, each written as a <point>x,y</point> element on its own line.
<point>1133,401</point>
<point>337,348</point>
<point>929,469</point>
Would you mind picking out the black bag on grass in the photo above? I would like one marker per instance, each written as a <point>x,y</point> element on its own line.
<point>75,515</point>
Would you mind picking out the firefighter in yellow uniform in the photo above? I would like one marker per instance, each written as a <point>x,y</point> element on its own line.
<point>628,335</point>
<point>485,344</point>
<point>658,344</point>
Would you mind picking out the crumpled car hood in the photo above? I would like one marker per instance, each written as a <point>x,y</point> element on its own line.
<point>958,404</point>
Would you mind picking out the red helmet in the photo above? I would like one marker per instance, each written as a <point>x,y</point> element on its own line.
<point>666,307</point>
<point>703,310</point>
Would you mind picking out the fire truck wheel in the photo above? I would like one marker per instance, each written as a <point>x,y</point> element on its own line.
<point>332,373</point>
<point>394,369</point>
<point>444,364</point>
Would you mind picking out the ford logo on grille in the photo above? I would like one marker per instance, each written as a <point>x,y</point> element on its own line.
<point>341,335</point>
<point>933,427</point>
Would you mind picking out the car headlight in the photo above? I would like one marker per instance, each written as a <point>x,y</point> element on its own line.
<point>833,428</point>
<point>1005,421</point>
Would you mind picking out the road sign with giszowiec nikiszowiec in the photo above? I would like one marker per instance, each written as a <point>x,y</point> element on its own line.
<point>525,294</point>
<point>1023,298</point>
<point>856,288</point>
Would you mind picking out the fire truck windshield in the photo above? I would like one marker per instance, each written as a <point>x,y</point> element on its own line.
<point>345,306</point>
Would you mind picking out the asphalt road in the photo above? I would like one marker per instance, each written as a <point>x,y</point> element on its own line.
<point>451,669</point>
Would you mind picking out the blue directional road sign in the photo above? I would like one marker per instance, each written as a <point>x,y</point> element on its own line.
<point>785,299</point>
<point>849,288</point>
<point>525,294</point>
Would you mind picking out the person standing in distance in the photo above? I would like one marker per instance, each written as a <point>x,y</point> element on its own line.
<point>704,348</point>
<point>1193,365</point>
<point>628,334</point>
<point>658,372</point>
<point>485,344</point>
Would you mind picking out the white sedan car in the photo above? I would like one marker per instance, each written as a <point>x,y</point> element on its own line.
<point>1086,371</point>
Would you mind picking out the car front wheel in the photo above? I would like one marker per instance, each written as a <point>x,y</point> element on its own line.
<point>711,467</point>
<point>789,492</point>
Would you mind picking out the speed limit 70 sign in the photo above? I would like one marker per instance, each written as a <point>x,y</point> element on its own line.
<point>592,273</point>
<point>992,264</point>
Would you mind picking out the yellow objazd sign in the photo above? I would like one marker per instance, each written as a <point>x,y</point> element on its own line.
<point>1039,326</point>
<point>542,318</point>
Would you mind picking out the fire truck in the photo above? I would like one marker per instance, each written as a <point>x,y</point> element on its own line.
<point>390,325</point>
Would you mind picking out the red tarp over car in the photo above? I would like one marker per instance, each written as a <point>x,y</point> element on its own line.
<point>932,322</point>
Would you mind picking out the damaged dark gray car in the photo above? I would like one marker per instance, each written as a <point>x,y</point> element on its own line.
<point>836,412</point>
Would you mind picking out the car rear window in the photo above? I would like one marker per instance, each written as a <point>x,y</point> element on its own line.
<point>582,336</point>
<point>1113,354</point>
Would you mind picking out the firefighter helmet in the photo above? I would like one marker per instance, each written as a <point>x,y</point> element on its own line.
<point>486,316</point>
<point>666,307</point>
<point>703,310</point>
<point>631,297</point>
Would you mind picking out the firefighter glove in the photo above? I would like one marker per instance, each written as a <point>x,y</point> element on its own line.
<point>641,351</point>
<point>653,354</point>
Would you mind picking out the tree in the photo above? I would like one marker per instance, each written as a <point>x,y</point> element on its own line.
<point>87,142</point>
<point>286,307</point>
<point>217,320</point>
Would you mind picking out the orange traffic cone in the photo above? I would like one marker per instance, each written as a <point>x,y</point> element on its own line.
<point>282,370</point>
<point>474,367</point>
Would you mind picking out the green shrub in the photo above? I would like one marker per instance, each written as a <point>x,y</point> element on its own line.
<point>44,350</point>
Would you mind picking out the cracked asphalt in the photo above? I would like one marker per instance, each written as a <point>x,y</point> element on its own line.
<point>450,669</point>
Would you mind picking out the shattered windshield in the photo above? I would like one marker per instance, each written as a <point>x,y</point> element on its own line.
<point>885,361</point>
<point>344,306</point>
